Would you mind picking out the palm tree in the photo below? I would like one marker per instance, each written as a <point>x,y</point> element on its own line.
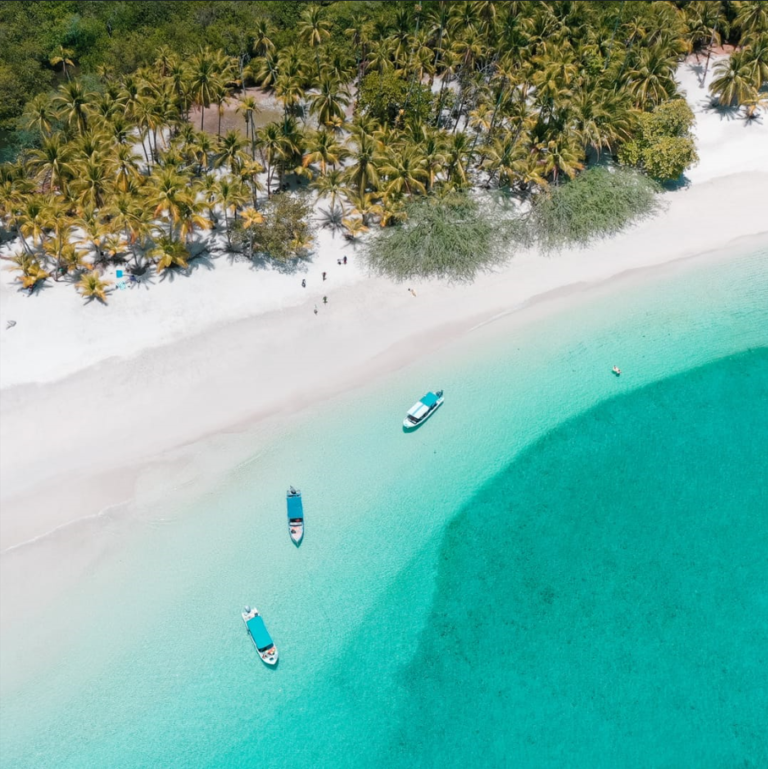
<point>363,172</point>
<point>262,42</point>
<point>364,204</point>
<point>560,156</point>
<point>354,227</point>
<point>205,81</point>
<point>504,156</point>
<point>270,144</point>
<point>92,182</point>
<point>130,217</point>
<point>249,175</point>
<point>405,170</point>
<point>313,31</point>
<point>39,114</point>
<point>329,185</point>
<point>230,151</point>
<point>69,259</point>
<point>756,61</point>
<point>457,151</point>
<point>203,149</point>
<point>59,222</point>
<point>251,218</point>
<point>169,253</point>
<point>329,102</point>
<point>96,229</point>
<point>33,221</point>
<point>72,102</point>
<point>126,167</point>
<point>652,79</point>
<point>264,71</point>
<point>289,90</point>
<point>92,286</point>
<point>51,164</point>
<point>323,148</point>
<point>751,18</point>
<point>733,80</point>
<point>62,56</point>
<point>230,196</point>
<point>432,148</point>
<point>703,20</point>
<point>248,107</point>
<point>191,217</point>
<point>32,272</point>
<point>167,195</point>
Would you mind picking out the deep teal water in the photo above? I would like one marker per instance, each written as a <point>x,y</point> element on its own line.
<point>603,601</point>
<point>560,569</point>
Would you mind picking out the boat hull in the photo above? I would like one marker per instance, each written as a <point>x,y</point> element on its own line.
<point>296,532</point>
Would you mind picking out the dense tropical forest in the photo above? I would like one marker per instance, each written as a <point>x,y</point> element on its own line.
<point>390,112</point>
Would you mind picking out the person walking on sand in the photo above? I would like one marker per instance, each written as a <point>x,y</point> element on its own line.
<point>325,300</point>
<point>303,283</point>
<point>324,274</point>
<point>345,260</point>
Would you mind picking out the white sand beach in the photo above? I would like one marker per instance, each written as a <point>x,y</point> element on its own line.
<point>91,394</point>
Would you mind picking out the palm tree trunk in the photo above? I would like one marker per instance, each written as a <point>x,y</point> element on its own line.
<point>202,116</point>
<point>709,53</point>
<point>440,100</point>
<point>461,108</point>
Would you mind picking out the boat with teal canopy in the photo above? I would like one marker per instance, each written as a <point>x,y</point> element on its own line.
<point>423,409</point>
<point>262,640</point>
<point>295,516</point>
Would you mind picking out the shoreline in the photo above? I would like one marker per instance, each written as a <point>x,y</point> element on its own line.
<point>115,485</point>
<point>48,447</point>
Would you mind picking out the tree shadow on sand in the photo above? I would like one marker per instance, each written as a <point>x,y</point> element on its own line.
<point>681,183</point>
<point>725,111</point>
<point>202,260</point>
<point>36,289</point>
<point>262,261</point>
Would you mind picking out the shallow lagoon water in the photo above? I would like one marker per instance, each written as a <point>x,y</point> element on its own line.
<point>560,568</point>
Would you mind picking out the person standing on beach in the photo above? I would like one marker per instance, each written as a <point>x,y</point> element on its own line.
<point>325,300</point>
<point>345,260</point>
<point>324,274</point>
<point>303,283</point>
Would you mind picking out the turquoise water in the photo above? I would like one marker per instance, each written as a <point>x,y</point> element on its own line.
<point>561,568</point>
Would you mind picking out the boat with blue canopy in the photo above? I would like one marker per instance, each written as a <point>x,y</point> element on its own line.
<point>295,516</point>
<point>260,636</point>
<point>421,411</point>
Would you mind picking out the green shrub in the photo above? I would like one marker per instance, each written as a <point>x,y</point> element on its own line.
<point>596,203</point>
<point>286,231</point>
<point>449,238</point>
<point>394,100</point>
<point>664,146</point>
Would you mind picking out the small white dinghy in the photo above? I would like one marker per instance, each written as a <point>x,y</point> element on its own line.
<point>261,638</point>
<point>421,411</point>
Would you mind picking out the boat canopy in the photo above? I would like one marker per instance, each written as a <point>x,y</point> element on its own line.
<point>419,411</point>
<point>295,508</point>
<point>430,399</point>
<point>258,631</point>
